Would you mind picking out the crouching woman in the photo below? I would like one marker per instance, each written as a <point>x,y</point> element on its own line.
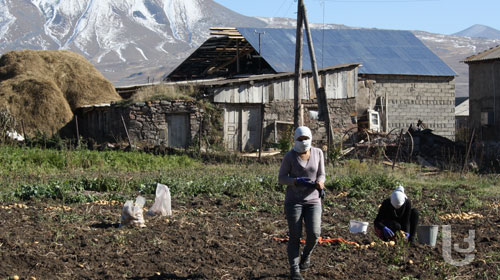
<point>395,214</point>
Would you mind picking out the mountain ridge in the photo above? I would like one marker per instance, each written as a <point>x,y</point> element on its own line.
<point>140,41</point>
<point>479,31</point>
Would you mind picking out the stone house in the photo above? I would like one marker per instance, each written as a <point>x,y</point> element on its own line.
<point>251,106</point>
<point>399,76</point>
<point>168,123</point>
<point>484,88</point>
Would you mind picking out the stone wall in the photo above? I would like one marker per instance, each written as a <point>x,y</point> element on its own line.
<point>341,111</point>
<point>146,121</point>
<point>410,98</point>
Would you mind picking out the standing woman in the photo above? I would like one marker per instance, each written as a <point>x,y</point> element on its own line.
<point>303,170</point>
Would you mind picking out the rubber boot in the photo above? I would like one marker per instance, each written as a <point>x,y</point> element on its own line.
<point>295,275</point>
<point>305,263</point>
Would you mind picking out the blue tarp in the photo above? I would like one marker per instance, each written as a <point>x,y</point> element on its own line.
<point>379,51</point>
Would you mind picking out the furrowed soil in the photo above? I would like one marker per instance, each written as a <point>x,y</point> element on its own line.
<point>214,238</point>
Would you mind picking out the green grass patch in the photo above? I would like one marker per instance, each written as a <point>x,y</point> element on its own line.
<point>83,175</point>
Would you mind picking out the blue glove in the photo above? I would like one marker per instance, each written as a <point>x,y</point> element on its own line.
<point>407,235</point>
<point>300,180</point>
<point>388,232</point>
<point>304,181</point>
<point>322,193</point>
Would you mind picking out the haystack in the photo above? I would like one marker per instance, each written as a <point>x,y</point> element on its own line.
<point>43,88</point>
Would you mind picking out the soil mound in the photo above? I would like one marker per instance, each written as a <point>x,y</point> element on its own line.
<point>43,88</point>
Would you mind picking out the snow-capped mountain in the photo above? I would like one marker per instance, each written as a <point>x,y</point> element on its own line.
<point>128,40</point>
<point>136,41</point>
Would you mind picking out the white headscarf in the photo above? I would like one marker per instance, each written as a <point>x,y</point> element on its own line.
<point>304,145</point>
<point>398,197</point>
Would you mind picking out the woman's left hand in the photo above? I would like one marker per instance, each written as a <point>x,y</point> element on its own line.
<point>320,185</point>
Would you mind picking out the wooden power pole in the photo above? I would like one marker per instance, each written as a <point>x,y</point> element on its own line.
<point>298,112</point>
<point>320,91</point>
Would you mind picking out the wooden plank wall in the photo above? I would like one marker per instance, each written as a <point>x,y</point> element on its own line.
<point>338,85</point>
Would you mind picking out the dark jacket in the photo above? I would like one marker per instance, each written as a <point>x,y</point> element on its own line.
<point>387,213</point>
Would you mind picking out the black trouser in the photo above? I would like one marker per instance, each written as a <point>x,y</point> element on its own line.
<point>395,226</point>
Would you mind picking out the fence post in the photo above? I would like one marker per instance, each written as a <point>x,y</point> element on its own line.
<point>77,131</point>
<point>126,132</point>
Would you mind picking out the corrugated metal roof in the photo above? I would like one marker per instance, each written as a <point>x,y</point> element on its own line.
<point>379,51</point>
<point>493,53</point>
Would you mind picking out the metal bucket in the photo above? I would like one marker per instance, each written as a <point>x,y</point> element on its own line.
<point>427,234</point>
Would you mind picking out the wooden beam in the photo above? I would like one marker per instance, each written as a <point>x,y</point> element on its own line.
<point>320,92</point>
<point>223,28</point>
<point>246,49</point>
<point>298,115</point>
<point>226,33</point>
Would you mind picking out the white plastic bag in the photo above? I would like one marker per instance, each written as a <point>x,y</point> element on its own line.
<point>132,213</point>
<point>162,205</point>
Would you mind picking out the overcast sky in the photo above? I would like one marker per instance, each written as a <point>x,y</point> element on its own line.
<point>436,16</point>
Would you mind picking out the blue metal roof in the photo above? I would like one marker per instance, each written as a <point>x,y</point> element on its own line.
<point>379,51</point>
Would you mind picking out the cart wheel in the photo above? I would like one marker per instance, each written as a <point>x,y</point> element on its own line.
<point>349,138</point>
<point>406,149</point>
<point>393,134</point>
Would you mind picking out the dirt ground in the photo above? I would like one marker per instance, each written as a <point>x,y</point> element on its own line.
<point>209,238</point>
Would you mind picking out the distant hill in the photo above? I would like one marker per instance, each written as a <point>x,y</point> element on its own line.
<point>480,31</point>
<point>135,42</point>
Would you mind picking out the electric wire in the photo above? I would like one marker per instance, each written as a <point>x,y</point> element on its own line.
<point>279,9</point>
<point>380,1</point>
<point>323,36</point>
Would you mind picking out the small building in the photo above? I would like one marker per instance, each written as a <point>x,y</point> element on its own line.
<point>484,88</point>
<point>399,76</point>
<point>169,123</point>
<point>462,119</point>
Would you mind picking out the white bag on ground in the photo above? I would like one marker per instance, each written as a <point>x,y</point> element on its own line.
<point>162,205</point>
<point>132,213</point>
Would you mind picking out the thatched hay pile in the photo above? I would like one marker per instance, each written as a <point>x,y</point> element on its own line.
<point>43,88</point>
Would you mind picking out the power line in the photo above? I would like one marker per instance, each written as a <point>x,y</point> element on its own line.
<point>289,7</point>
<point>323,34</point>
<point>279,9</point>
<point>379,1</point>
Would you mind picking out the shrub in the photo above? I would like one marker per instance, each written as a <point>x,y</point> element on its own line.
<point>165,92</point>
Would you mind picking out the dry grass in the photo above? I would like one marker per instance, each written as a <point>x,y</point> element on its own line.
<point>43,88</point>
<point>164,92</point>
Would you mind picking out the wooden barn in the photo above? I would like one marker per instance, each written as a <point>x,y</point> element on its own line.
<point>399,76</point>
<point>263,104</point>
<point>484,88</point>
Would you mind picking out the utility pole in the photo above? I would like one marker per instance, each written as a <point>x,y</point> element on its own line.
<point>320,91</point>
<point>260,55</point>
<point>298,112</point>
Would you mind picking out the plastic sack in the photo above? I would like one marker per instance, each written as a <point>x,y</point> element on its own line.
<point>162,205</point>
<point>132,213</point>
